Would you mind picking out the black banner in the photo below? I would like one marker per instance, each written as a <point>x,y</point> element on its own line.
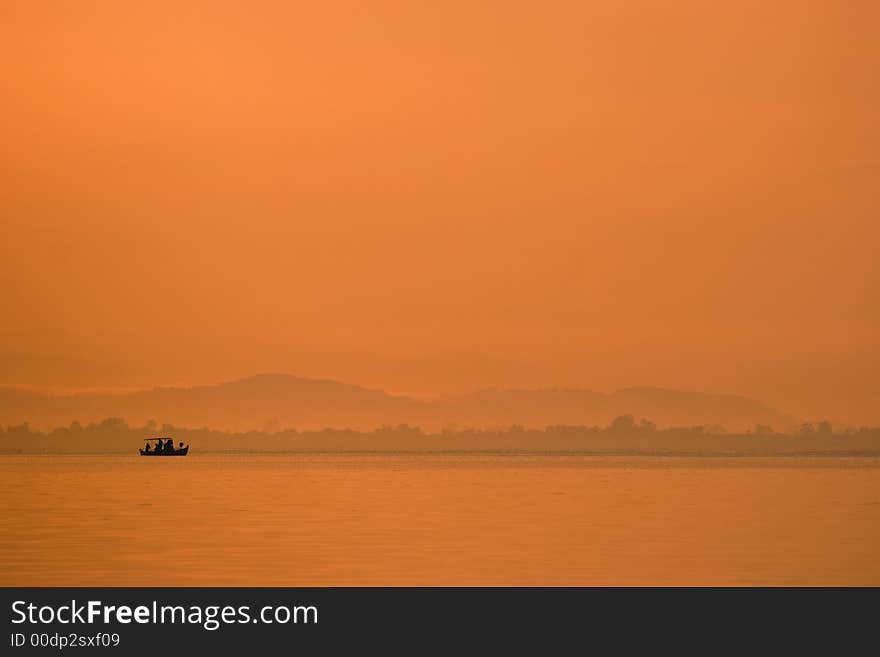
<point>126,621</point>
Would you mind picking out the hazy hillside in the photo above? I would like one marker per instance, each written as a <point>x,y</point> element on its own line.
<point>277,401</point>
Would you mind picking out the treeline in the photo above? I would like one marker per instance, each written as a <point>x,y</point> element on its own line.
<point>623,435</point>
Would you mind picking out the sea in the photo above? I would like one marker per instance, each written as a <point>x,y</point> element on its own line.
<point>352,519</point>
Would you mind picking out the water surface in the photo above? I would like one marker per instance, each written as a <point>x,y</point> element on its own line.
<point>329,520</point>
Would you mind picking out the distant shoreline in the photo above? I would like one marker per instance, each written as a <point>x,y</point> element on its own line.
<point>475,453</point>
<point>623,438</point>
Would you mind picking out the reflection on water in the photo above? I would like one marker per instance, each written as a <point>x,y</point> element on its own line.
<point>438,520</point>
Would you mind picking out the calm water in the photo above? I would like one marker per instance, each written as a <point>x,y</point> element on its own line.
<point>439,520</point>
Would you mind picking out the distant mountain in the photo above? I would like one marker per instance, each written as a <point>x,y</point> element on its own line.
<point>276,401</point>
<point>573,406</point>
<point>673,407</point>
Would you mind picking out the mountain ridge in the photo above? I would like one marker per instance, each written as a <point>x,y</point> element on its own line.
<point>272,400</point>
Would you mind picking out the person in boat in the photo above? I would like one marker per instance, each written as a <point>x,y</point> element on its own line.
<point>147,447</point>
<point>159,445</point>
<point>169,446</point>
<point>180,445</point>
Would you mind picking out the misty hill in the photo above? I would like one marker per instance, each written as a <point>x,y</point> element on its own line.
<point>277,401</point>
<point>540,408</point>
<point>258,402</point>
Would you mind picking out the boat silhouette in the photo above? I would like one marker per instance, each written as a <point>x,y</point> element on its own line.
<point>181,451</point>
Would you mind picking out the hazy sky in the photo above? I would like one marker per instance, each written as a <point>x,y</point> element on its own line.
<point>437,196</point>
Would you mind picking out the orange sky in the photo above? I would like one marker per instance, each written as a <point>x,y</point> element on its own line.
<point>430,197</point>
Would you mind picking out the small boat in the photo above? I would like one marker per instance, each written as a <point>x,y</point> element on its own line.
<point>181,451</point>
